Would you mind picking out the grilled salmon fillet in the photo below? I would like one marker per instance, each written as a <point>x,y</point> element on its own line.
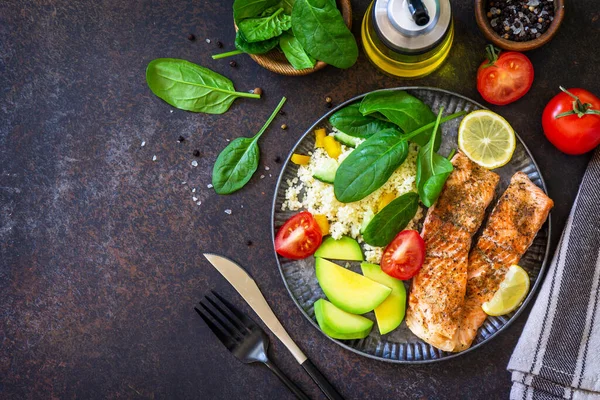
<point>510,230</point>
<point>438,290</point>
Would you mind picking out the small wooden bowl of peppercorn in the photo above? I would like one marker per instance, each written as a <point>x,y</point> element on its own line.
<point>519,25</point>
<point>275,60</point>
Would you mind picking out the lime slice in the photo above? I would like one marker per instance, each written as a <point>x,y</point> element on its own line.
<point>510,294</point>
<point>486,138</point>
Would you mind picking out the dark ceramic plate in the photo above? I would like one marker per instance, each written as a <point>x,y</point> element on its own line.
<point>401,346</point>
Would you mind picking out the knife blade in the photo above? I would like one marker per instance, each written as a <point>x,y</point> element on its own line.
<point>248,289</point>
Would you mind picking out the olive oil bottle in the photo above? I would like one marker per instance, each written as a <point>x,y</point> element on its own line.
<point>408,38</point>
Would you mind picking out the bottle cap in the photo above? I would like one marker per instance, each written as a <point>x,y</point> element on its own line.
<point>412,26</point>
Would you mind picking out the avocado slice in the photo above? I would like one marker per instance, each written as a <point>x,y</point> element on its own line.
<point>339,324</point>
<point>345,248</point>
<point>390,313</point>
<point>348,290</point>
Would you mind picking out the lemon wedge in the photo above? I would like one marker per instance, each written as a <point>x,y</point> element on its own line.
<point>487,139</point>
<point>510,294</point>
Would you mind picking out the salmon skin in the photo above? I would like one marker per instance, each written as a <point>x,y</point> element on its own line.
<point>438,290</point>
<point>510,230</point>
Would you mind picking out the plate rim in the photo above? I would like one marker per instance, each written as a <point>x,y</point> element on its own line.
<point>448,356</point>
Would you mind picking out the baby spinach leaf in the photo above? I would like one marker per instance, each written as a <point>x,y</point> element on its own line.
<point>404,110</point>
<point>191,87</point>
<point>294,52</point>
<point>239,160</point>
<point>394,217</point>
<point>287,6</point>
<point>254,48</point>
<point>243,9</point>
<point>320,28</point>
<point>432,169</point>
<point>263,28</point>
<point>351,121</point>
<point>369,166</point>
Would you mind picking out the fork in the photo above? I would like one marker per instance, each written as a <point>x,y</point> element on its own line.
<point>241,335</point>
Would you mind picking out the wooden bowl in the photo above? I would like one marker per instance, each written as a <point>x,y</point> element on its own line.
<point>498,41</point>
<point>275,60</point>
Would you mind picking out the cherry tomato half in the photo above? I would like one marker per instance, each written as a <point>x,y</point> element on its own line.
<point>404,256</point>
<point>578,131</point>
<point>299,237</point>
<point>505,78</point>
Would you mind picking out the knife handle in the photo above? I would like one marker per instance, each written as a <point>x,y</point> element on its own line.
<point>321,381</point>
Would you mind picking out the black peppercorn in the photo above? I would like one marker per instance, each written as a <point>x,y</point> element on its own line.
<point>219,45</point>
<point>191,37</point>
<point>181,139</point>
<point>278,160</point>
<point>281,112</point>
<point>233,63</point>
<point>249,243</point>
<point>196,153</point>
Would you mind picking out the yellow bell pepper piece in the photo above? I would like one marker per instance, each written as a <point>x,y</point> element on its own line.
<point>300,159</point>
<point>320,135</point>
<point>332,147</point>
<point>385,200</point>
<point>323,223</point>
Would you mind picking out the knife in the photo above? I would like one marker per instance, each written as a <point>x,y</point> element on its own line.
<point>248,289</point>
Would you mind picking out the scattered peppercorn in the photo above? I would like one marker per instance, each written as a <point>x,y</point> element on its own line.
<point>219,44</point>
<point>257,91</point>
<point>278,160</point>
<point>284,127</point>
<point>520,20</point>
<point>196,153</point>
<point>191,37</point>
<point>233,63</point>
<point>181,139</point>
<point>329,105</point>
<point>249,243</point>
<point>328,99</point>
<point>281,112</point>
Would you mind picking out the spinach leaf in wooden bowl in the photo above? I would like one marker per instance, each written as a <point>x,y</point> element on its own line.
<point>319,34</point>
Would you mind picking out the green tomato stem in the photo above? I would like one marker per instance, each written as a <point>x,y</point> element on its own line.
<point>580,109</point>
<point>227,54</point>
<point>271,118</point>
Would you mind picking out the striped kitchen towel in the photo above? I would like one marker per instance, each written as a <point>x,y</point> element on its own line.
<point>558,354</point>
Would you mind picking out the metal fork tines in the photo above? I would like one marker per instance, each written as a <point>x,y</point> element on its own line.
<point>240,335</point>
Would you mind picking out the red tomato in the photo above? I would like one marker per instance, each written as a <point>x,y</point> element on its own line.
<point>578,130</point>
<point>505,78</point>
<point>299,237</point>
<point>404,257</point>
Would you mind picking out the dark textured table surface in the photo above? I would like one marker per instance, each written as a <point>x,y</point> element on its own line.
<point>101,247</point>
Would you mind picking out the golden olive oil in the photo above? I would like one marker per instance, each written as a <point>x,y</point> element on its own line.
<point>400,54</point>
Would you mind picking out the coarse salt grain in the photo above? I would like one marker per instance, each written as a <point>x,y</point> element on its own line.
<point>143,143</point>
<point>183,183</point>
<point>209,185</point>
<point>262,177</point>
<point>198,203</point>
<point>267,168</point>
<point>153,158</point>
<point>194,198</point>
<point>194,163</point>
<point>228,212</point>
<point>207,40</point>
<point>194,190</point>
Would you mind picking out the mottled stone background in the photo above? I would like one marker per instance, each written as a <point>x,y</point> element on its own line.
<point>101,247</point>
